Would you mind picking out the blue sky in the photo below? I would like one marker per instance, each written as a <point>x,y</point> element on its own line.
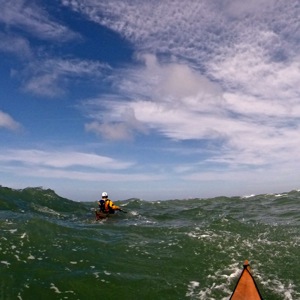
<point>150,99</point>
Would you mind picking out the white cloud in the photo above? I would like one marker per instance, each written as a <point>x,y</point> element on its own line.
<point>246,69</point>
<point>170,98</point>
<point>180,27</point>
<point>70,165</point>
<point>102,177</point>
<point>59,160</point>
<point>49,77</point>
<point>182,104</point>
<point>29,17</point>
<point>117,124</point>
<point>173,82</point>
<point>231,73</point>
<point>211,70</point>
<point>238,9</point>
<point>197,30</point>
<point>6,121</point>
<point>15,45</point>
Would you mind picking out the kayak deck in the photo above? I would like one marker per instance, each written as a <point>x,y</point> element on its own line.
<point>100,215</point>
<point>246,288</point>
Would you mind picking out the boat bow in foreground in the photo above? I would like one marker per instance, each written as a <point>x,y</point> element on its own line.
<point>246,288</point>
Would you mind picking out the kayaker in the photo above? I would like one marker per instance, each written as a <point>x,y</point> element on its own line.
<point>101,203</point>
<point>106,205</point>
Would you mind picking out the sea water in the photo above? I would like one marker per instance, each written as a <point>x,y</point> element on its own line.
<point>53,248</point>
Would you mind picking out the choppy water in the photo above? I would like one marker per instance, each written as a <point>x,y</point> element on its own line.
<point>52,248</point>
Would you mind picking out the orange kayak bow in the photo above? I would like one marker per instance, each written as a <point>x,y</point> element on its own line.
<point>246,288</point>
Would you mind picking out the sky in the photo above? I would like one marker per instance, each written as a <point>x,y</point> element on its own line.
<point>150,99</point>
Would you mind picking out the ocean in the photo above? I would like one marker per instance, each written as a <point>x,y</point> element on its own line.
<point>53,248</point>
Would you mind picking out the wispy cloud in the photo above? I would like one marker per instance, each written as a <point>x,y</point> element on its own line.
<point>7,122</point>
<point>28,17</point>
<point>42,73</point>
<point>15,45</point>
<point>163,97</point>
<point>62,160</point>
<point>189,29</point>
<point>70,165</point>
<point>96,176</point>
<point>198,29</point>
<point>50,77</point>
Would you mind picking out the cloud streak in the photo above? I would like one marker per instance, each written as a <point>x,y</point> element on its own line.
<point>50,77</point>
<point>7,122</point>
<point>32,19</point>
<point>15,45</point>
<point>103,178</point>
<point>71,166</point>
<point>58,160</point>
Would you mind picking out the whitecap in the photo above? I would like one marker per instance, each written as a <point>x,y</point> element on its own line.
<point>191,288</point>
<point>53,287</point>
<point>194,283</point>
<point>248,196</point>
<point>5,263</point>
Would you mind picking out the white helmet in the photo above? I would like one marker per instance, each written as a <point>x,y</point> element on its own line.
<point>104,194</point>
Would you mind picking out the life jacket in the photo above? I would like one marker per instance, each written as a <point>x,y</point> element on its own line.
<point>108,206</point>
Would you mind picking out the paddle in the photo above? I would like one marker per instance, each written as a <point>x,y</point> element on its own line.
<point>123,211</point>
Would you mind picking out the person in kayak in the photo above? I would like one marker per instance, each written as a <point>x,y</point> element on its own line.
<point>106,205</point>
<point>101,203</point>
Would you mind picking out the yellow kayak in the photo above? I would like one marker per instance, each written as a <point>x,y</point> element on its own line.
<point>246,288</point>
